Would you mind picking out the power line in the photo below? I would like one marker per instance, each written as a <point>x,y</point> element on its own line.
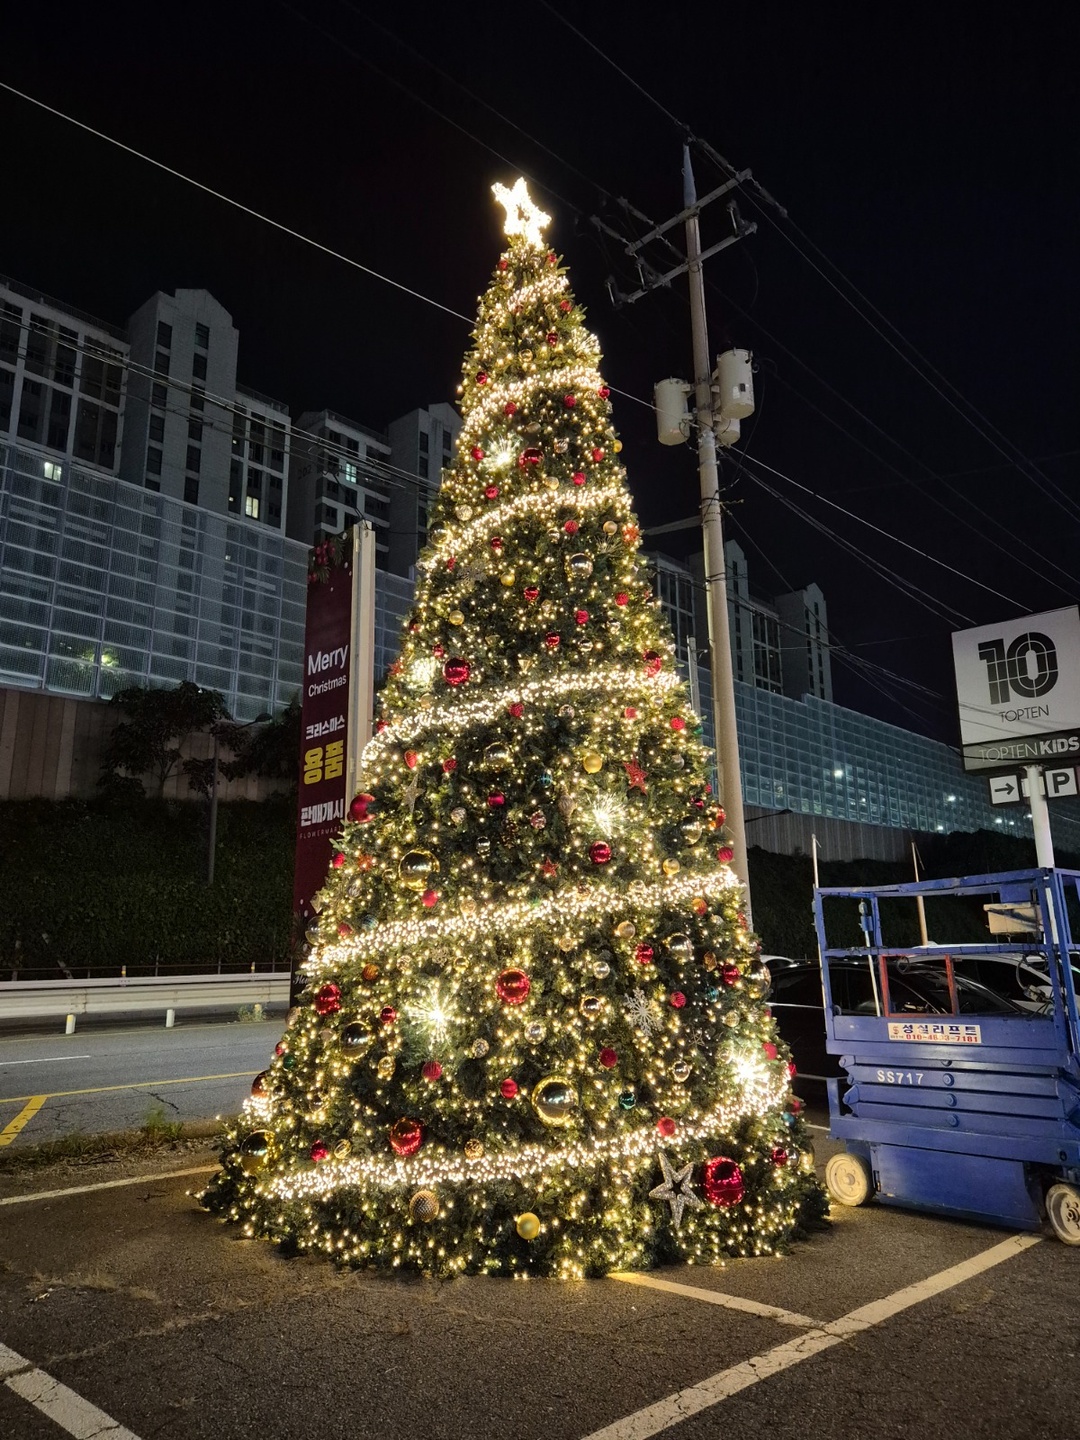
<point>236,204</point>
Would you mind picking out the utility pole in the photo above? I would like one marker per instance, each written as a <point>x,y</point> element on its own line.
<point>707,412</point>
<point>723,681</point>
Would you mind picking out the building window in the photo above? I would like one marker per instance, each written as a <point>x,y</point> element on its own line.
<point>157,428</point>
<point>10,330</point>
<point>422,468</point>
<point>251,506</point>
<point>191,490</point>
<point>152,484</point>
<point>161,363</point>
<point>194,458</point>
<point>423,443</point>
<point>52,470</point>
<point>101,380</point>
<point>202,337</point>
<point>275,514</point>
<point>95,434</point>
<point>164,335</point>
<point>349,472</point>
<point>158,395</point>
<point>153,460</point>
<point>194,429</point>
<point>198,367</point>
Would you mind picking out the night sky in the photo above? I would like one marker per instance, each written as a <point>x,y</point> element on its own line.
<point>929,151</point>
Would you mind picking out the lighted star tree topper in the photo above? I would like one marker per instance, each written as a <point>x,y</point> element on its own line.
<point>534,1036</point>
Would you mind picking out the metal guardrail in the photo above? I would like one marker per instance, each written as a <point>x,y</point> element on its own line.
<point>164,995</point>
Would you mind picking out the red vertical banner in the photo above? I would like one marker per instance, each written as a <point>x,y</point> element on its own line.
<point>324,730</point>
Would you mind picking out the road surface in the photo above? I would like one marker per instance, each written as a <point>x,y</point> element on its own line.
<point>94,1081</point>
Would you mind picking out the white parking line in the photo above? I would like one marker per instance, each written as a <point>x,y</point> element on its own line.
<point>678,1407</point>
<point>55,1401</point>
<point>43,1060</point>
<point>719,1297</point>
<point>104,1185</point>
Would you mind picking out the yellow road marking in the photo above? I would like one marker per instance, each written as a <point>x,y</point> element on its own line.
<point>135,1085</point>
<point>7,1135</point>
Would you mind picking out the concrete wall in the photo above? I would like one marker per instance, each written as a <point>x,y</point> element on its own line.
<point>791,834</point>
<point>51,747</point>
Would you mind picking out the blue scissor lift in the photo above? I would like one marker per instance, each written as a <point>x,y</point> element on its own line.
<point>945,1107</point>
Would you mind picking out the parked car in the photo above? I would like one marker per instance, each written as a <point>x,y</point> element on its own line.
<point>918,987</point>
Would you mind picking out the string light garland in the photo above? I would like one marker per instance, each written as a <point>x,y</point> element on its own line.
<point>534,1037</point>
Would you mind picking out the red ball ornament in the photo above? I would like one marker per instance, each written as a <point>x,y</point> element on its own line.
<point>597,454</point>
<point>406,1137</point>
<point>578,477</point>
<point>599,852</point>
<point>456,672</point>
<point>678,723</point>
<point>496,542</point>
<point>328,1000</point>
<point>481,377</point>
<point>571,527</point>
<point>476,453</point>
<point>779,1156</point>
<point>604,392</point>
<point>319,1151</point>
<point>411,758</point>
<point>792,1069</point>
<point>509,1088</point>
<point>260,1086</point>
<point>629,713</point>
<point>516,710</point>
<point>510,408</point>
<point>771,1052</point>
<point>449,764</point>
<point>552,640</point>
<point>504,264</point>
<point>564,306</point>
<point>496,801</point>
<point>531,593</point>
<point>725,854</point>
<point>338,861</point>
<point>644,953</point>
<point>431,1070</point>
<point>512,987</point>
<point>722,1181</point>
<point>581,616</point>
<point>451,561</point>
<point>569,401</point>
<point>622,598</point>
<point>795,1104</point>
<point>531,455</point>
<point>359,807</point>
<point>388,1015</point>
<point>380,726</point>
<point>653,662</point>
<point>344,929</point>
<point>552,258</point>
<point>491,493</point>
<point>438,651</point>
<point>730,973</point>
<point>608,1058</point>
<point>553,338</point>
<point>666,1126</point>
<point>429,899</point>
<point>677,999</point>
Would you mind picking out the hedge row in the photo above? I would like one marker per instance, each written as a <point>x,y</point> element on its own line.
<point>89,885</point>
<point>93,885</point>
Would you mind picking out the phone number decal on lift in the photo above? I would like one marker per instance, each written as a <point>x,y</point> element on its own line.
<point>935,1032</point>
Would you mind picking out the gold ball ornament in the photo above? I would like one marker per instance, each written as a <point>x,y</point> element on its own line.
<point>680,1071</point>
<point>625,930</point>
<point>671,867</point>
<point>610,527</point>
<point>342,1149</point>
<point>474,1149</point>
<point>566,943</point>
<point>579,566</point>
<point>424,1207</point>
<point>690,830</point>
<point>415,867</point>
<point>591,1006</point>
<point>469,906</point>
<point>554,1099</point>
<point>498,754</point>
<point>458,815</point>
<point>592,763</point>
<point>255,1151</point>
<point>680,946</point>
<point>456,617</point>
<point>528,1225</point>
<point>386,1067</point>
<point>508,578</point>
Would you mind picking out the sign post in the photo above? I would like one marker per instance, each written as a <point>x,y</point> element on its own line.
<point>1018,692</point>
<point>337,705</point>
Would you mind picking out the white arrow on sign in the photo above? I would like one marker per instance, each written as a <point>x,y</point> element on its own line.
<point>1005,790</point>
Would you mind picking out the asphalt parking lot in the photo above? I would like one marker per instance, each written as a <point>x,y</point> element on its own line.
<point>128,1311</point>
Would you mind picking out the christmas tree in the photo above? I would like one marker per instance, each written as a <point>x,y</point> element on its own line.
<point>534,1036</point>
